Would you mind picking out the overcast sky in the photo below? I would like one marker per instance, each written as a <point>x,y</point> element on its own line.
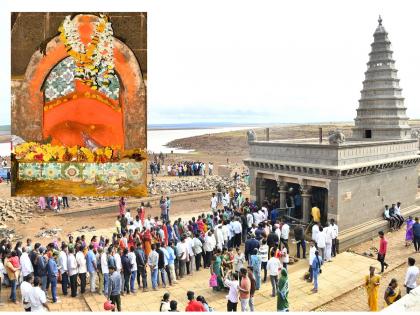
<point>256,61</point>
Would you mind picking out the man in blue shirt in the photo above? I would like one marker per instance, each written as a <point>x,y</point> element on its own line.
<point>52,271</point>
<point>114,287</point>
<point>91,267</point>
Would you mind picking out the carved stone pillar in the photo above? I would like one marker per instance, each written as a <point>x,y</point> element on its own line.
<point>282,192</point>
<point>306,203</point>
<point>260,193</point>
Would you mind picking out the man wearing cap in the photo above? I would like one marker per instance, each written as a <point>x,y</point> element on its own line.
<point>114,287</point>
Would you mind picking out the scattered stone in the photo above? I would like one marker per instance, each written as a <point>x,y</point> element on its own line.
<point>160,186</point>
<point>48,232</point>
<point>86,228</point>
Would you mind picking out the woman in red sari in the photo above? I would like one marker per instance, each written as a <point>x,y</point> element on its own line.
<point>147,241</point>
<point>142,214</point>
<point>165,232</point>
<point>121,205</point>
<point>131,241</point>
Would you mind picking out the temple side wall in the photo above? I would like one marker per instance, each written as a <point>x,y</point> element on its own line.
<point>363,198</point>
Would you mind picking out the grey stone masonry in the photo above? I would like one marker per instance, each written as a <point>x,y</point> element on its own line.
<point>381,114</point>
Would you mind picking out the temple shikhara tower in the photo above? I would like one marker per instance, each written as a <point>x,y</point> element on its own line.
<point>350,180</point>
<point>381,114</point>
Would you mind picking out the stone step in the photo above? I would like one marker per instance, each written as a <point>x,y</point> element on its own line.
<point>370,229</point>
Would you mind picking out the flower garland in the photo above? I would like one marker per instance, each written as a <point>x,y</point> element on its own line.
<point>97,56</point>
<point>37,152</point>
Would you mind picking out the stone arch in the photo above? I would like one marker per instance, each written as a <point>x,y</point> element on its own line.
<point>30,99</point>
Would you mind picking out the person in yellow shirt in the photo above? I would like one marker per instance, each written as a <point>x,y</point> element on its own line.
<point>372,282</point>
<point>316,214</point>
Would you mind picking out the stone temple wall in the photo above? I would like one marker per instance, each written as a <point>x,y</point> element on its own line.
<point>361,199</point>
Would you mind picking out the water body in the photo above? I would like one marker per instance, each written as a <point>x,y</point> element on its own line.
<point>157,139</point>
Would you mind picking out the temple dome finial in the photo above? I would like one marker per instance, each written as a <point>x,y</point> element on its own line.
<point>380,20</point>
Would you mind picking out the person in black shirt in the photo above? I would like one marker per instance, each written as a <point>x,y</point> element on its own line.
<point>161,264</point>
<point>126,266</point>
<point>300,240</point>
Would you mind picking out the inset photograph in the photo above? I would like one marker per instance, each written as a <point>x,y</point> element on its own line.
<point>79,104</point>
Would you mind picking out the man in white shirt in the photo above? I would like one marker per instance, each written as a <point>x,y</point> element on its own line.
<point>220,240</point>
<point>225,229</point>
<point>25,290</point>
<point>213,202</point>
<point>25,263</point>
<point>249,221</point>
<point>237,230</point>
<point>225,201</point>
<point>265,212</point>
<point>328,242</point>
<point>312,250</point>
<point>182,252</point>
<point>411,275</point>
<point>133,262</point>
<point>72,267</point>
<point>334,248</point>
<point>137,224</point>
<point>37,298</point>
<point>315,231</point>
<point>284,236</point>
<point>118,265</point>
<point>208,247</point>
<point>233,295</point>
<point>191,258</point>
<point>321,242</point>
<point>274,266</point>
<point>81,266</point>
<point>105,272</point>
<point>263,253</point>
<point>152,261</point>
<point>62,267</point>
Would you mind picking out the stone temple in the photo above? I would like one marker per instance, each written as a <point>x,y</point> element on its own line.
<point>350,180</point>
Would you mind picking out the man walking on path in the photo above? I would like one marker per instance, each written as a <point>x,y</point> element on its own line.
<point>411,275</point>
<point>300,240</point>
<point>383,244</point>
<point>334,227</point>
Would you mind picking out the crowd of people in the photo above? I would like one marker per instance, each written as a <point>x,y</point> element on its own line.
<point>241,244</point>
<point>54,203</point>
<point>164,251</point>
<point>184,168</point>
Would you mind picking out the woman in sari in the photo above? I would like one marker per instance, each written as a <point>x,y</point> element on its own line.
<point>409,236</point>
<point>216,268</point>
<point>42,203</point>
<point>142,214</point>
<point>147,241</point>
<point>392,293</point>
<point>372,282</point>
<point>283,292</point>
<point>121,205</point>
<point>165,233</point>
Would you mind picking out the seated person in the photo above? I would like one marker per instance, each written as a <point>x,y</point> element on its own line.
<point>388,217</point>
<point>398,218</point>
